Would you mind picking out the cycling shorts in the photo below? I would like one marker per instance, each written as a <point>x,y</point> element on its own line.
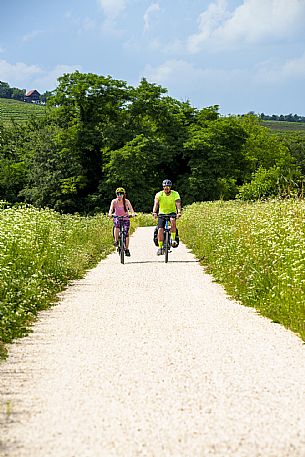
<point>161,220</point>
<point>126,224</point>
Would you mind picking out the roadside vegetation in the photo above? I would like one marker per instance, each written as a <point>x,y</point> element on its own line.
<point>40,252</point>
<point>256,250</point>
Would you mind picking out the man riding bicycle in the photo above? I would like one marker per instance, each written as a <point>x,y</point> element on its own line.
<point>166,201</point>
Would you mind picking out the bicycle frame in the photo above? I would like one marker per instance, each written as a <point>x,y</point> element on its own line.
<point>122,238</point>
<point>167,239</point>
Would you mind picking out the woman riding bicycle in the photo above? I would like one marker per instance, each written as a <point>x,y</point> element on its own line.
<point>121,207</point>
<point>167,201</point>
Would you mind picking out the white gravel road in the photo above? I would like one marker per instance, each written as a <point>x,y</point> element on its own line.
<point>153,359</point>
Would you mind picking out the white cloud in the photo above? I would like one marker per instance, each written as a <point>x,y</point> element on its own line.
<point>32,76</point>
<point>290,70</point>
<point>16,74</point>
<point>48,79</point>
<point>153,8</point>
<point>255,21</point>
<point>190,78</point>
<point>209,21</point>
<point>234,90</point>
<point>112,8</point>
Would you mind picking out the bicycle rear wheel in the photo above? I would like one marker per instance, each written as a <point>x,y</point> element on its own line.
<point>166,246</point>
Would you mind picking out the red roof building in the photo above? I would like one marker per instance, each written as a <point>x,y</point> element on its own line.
<point>32,96</point>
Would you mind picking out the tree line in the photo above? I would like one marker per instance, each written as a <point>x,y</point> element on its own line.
<point>100,133</point>
<point>282,117</point>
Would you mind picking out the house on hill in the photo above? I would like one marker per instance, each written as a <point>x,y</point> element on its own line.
<point>33,96</point>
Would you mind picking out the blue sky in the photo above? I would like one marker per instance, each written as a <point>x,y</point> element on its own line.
<point>244,55</point>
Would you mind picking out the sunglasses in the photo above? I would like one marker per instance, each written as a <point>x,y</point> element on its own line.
<point>120,194</point>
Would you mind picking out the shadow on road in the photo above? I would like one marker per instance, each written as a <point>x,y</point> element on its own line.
<point>158,261</point>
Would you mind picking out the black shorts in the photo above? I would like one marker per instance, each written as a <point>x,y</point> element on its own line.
<point>161,220</point>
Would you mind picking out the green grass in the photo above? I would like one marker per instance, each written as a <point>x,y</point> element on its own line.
<point>18,111</point>
<point>257,251</point>
<point>282,126</point>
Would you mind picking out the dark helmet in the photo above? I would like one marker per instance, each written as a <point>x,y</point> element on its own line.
<point>167,182</point>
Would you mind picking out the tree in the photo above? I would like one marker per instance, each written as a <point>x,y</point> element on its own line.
<point>18,94</point>
<point>5,90</point>
<point>215,159</point>
<point>13,165</point>
<point>55,175</point>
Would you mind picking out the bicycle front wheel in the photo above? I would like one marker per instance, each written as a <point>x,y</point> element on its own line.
<point>122,247</point>
<point>166,246</point>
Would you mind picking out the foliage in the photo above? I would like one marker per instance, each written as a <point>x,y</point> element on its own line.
<point>272,182</point>
<point>282,117</point>
<point>98,132</point>
<point>41,251</point>
<point>215,159</point>
<point>270,168</point>
<point>256,250</point>
<point>295,143</point>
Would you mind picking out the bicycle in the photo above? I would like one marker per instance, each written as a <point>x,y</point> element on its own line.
<point>167,239</point>
<point>122,237</point>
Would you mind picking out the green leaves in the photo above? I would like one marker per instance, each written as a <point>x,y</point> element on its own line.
<point>98,133</point>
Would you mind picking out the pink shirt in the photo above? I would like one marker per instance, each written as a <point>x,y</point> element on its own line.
<point>119,210</point>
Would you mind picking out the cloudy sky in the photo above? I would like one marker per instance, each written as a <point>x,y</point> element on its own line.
<point>244,55</point>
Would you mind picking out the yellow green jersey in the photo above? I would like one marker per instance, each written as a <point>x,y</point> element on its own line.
<point>167,203</point>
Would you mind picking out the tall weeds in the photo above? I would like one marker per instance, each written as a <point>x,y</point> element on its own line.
<point>40,251</point>
<point>256,250</point>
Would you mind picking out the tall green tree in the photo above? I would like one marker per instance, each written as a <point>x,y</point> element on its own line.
<point>215,158</point>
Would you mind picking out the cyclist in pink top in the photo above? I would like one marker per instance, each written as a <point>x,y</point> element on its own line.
<point>121,207</point>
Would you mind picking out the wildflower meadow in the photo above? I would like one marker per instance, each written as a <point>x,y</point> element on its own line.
<point>256,251</point>
<point>40,251</point>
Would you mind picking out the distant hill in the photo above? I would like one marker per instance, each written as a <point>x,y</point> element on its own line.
<point>18,111</point>
<point>282,126</point>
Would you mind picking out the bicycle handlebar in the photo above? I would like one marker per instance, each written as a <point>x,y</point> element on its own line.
<point>168,216</point>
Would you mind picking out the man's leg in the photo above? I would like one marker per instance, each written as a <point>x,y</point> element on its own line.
<point>160,237</point>
<point>173,232</point>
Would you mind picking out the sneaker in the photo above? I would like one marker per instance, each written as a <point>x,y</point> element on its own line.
<point>116,243</point>
<point>160,251</point>
<point>174,243</point>
<point>127,252</point>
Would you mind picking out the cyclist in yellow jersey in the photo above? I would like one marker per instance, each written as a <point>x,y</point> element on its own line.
<point>167,201</point>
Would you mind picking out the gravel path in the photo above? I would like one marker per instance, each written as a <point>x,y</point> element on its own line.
<point>152,359</point>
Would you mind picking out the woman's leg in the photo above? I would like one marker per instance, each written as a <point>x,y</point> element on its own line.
<point>126,228</point>
<point>116,233</point>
